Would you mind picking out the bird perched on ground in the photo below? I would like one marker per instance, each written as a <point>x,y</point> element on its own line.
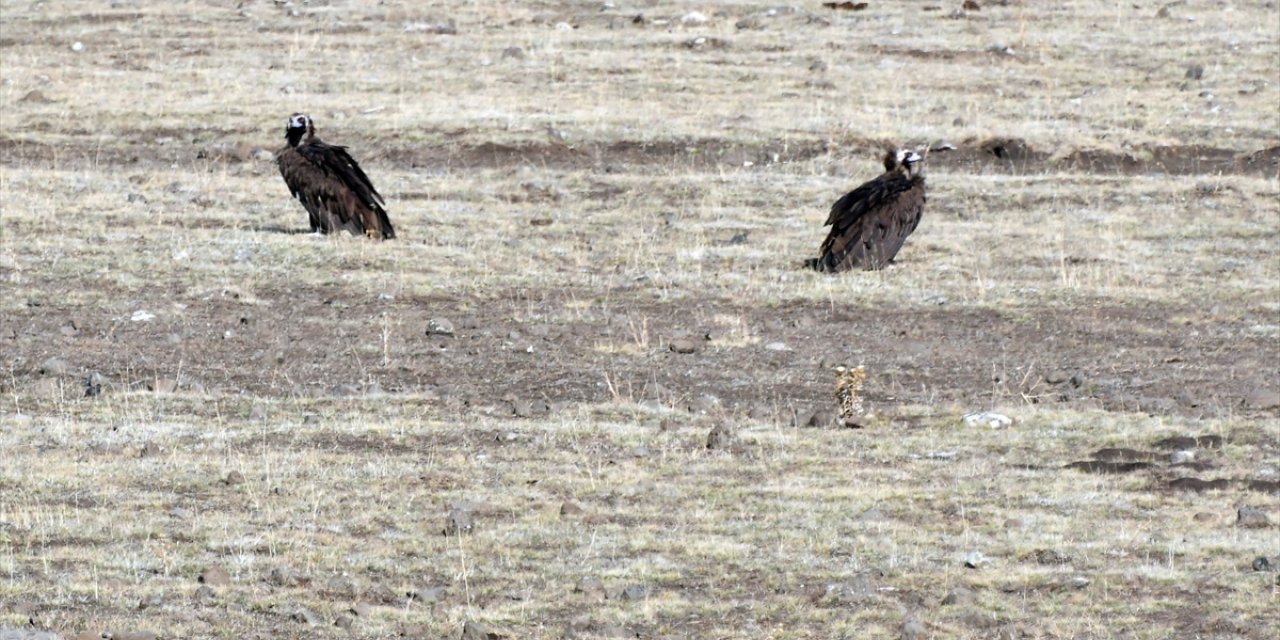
<point>848,384</point>
<point>870,223</point>
<point>327,181</point>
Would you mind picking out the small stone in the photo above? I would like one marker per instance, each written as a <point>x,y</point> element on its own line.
<point>720,438</point>
<point>1252,518</point>
<point>974,559</point>
<point>93,384</point>
<point>427,595</point>
<point>912,629</point>
<point>473,630</point>
<point>1203,516</point>
<point>683,345</point>
<point>694,18</point>
<point>987,419</point>
<point>704,403</point>
<point>205,594</point>
<point>1194,72</point>
<point>569,509</point>
<point>439,327</point>
<point>77,46</point>
<point>214,576</point>
<point>343,390</point>
<point>458,522</point>
<point>513,53</point>
<point>1182,457</point>
<point>35,96</point>
<point>130,635</point>
<point>632,593</point>
<point>306,616</point>
<point>345,622</point>
<point>233,478</point>
<point>1262,563</point>
<point>54,367</point>
<point>360,610</point>
<point>1079,582</point>
<point>777,346</point>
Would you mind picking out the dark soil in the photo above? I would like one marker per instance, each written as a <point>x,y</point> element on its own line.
<point>327,342</point>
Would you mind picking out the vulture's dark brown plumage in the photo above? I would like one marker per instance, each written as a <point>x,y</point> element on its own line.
<point>870,223</point>
<point>330,185</point>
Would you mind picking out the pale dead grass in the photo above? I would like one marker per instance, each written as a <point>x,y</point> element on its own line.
<point>742,538</point>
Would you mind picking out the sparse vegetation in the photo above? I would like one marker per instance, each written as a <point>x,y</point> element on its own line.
<point>191,383</point>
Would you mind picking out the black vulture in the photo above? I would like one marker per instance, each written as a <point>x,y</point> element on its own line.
<point>330,185</point>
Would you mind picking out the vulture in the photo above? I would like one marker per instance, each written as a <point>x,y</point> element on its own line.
<point>870,223</point>
<point>330,185</point>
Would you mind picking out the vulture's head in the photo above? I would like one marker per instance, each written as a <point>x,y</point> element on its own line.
<point>904,160</point>
<point>298,129</point>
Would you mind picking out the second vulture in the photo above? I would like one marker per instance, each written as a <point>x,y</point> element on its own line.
<point>870,223</point>
<point>327,181</point>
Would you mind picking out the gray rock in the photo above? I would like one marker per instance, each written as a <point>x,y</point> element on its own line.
<point>632,593</point>
<point>346,622</point>
<point>513,53</point>
<point>473,630</point>
<point>233,478</point>
<point>912,629</point>
<point>776,346</point>
<point>342,390</point>
<point>1252,518</point>
<point>683,345</point>
<point>569,509</point>
<point>720,438</point>
<point>1262,563</point>
<point>458,522</point>
<point>130,635</point>
<point>1182,457</point>
<point>214,576</point>
<point>205,594</point>
<point>704,403</point>
<point>93,382</point>
<point>427,595</point>
<point>974,559</point>
<point>54,367</point>
<point>439,327</point>
<point>1078,582</point>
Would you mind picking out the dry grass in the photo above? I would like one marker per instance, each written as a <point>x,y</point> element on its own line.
<point>666,149</point>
